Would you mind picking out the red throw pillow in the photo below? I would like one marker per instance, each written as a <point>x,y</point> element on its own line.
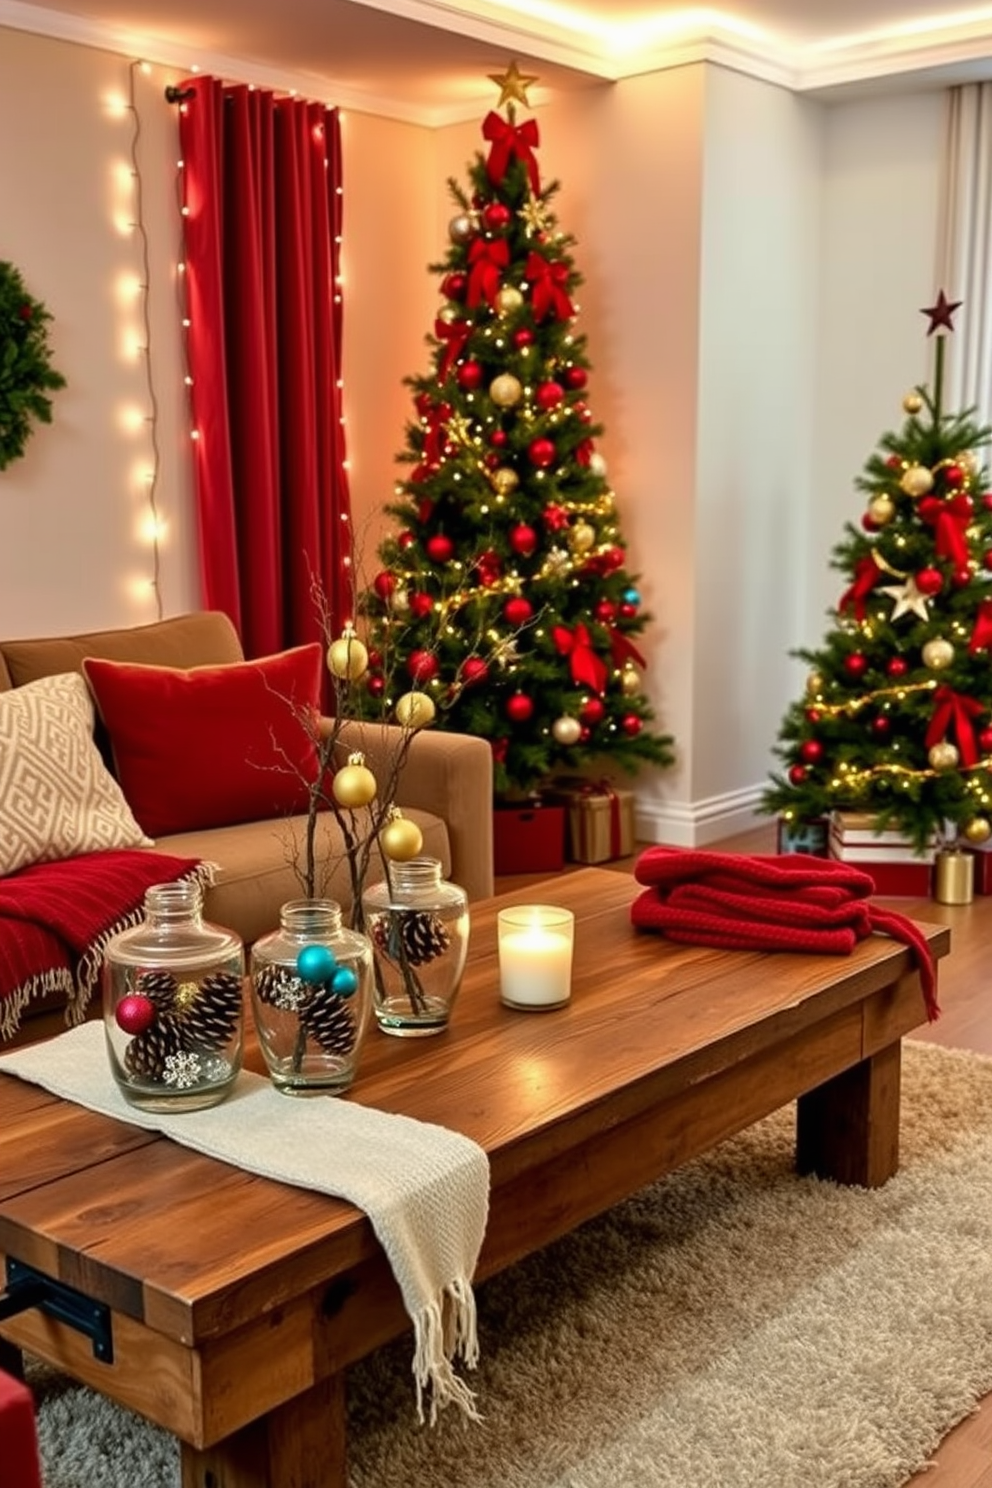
<point>211,745</point>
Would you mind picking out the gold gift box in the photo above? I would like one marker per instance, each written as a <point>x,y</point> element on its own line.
<point>600,820</point>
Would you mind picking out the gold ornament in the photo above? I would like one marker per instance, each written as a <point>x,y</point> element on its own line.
<point>506,390</point>
<point>630,681</point>
<point>414,710</point>
<point>881,509</point>
<point>970,463</point>
<point>508,299</point>
<point>566,729</point>
<point>938,653</point>
<point>505,480</point>
<point>908,599</point>
<point>916,481</point>
<point>943,756</point>
<point>581,537</point>
<point>400,600</point>
<point>401,839</point>
<point>535,216</point>
<point>814,684</point>
<point>347,656</point>
<point>448,314</point>
<point>461,228</point>
<point>912,403</point>
<point>597,464</point>
<point>978,830</point>
<point>354,785</point>
<point>512,85</point>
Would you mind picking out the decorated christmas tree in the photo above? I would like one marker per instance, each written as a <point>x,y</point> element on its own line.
<point>896,721</point>
<point>504,597</point>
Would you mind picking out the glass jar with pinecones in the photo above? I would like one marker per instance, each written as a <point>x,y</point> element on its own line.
<point>173,1005</point>
<point>311,993</point>
<point>418,923</point>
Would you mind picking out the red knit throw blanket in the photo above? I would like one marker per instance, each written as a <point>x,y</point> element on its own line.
<point>789,903</point>
<point>56,920</point>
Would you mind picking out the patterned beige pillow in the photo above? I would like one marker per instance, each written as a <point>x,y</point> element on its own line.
<point>57,797</point>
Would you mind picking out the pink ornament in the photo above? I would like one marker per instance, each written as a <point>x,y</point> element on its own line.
<point>135,1013</point>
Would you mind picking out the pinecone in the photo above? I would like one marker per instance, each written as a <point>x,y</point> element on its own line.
<point>281,988</point>
<point>159,987</point>
<point>329,1021</point>
<point>210,1020</point>
<point>416,936</point>
<point>147,1052</point>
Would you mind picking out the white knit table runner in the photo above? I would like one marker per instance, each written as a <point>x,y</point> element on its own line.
<point>424,1188</point>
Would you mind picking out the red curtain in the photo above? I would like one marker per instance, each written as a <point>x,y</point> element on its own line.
<point>262,220</point>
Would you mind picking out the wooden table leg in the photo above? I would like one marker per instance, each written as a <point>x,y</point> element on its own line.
<point>299,1445</point>
<point>848,1128</point>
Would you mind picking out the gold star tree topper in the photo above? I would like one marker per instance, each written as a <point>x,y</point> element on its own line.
<point>512,85</point>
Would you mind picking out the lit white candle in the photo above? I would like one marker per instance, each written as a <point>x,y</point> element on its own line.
<point>535,955</point>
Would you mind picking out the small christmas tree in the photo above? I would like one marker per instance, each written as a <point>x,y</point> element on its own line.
<point>505,595</point>
<point>897,717</point>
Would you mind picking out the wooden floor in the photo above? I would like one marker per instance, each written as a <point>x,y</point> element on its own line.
<point>964,1458</point>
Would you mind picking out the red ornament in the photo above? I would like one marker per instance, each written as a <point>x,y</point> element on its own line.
<point>631,724</point>
<point>576,377</point>
<point>523,337</point>
<point>25,312</point>
<point>583,411</point>
<point>612,558</point>
<point>474,669</point>
<point>961,577</point>
<point>929,581</point>
<point>593,711</point>
<point>881,725</point>
<point>894,462</point>
<point>406,540</point>
<point>519,707</point>
<point>897,667</point>
<point>987,500</point>
<point>376,686</point>
<point>797,774</point>
<point>554,518</point>
<point>813,715</point>
<point>454,286</point>
<point>422,665</point>
<point>542,453</point>
<point>548,395</point>
<point>811,750</point>
<point>523,540</point>
<point>517,611</point>
<point>492,460</point>
<point>440,548</point>
<point>421,605</point>
<point>135,1013</point>
<point>496,216</point>
<point>469,376</point>
<point>488,567</point>
<point>856,664</point>
<point>497,438</point>
<point>954,475</point>
<point>985,741</point>
<point>605,610</point>
<point>384,585</point>
<point>868,522</point>
<point>627,610</point>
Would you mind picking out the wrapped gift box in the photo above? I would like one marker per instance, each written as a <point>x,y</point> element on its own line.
<point>600,819</point>
<point>528,839</point>
<point>810,835</point>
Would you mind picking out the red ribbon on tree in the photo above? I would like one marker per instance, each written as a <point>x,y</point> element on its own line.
<point>623,649</point>
<point>455,335</point>
<point>506,140</point>
<point>588,669</point>
<point>435,416</point>
<point>981,635</point>
<point>487,257</point>
<point>950,527</point>
<point>957,709</point>
<point>866,576</point>
<point>548,293</point>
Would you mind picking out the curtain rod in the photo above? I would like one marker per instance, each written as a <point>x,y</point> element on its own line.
<point>178,95</point>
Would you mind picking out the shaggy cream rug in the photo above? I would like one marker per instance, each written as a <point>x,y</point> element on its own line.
<point>733,1326</point>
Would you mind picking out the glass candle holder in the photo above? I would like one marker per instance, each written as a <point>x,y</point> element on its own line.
<point>535,956</point>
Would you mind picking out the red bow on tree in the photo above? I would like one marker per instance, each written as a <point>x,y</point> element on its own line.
<point>506,139</point>
<point>955,708</point>
<point>981,635</point>
<point>588,669</point>
<point>866,576</point>
<point>950,524</point>
<point>435,416</point>
<point>548,294</point>
<point>486,257</point>
<point>455,335</point>
<point>623,649</point>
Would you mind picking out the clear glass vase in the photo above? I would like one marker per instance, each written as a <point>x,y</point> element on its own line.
<point>311,993</point>
<point>418,924</point>
<point>173,1004</point>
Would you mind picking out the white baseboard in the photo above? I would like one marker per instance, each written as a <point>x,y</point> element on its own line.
<point>697,823</point>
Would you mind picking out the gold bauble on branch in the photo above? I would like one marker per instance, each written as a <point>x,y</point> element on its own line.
<point>881,509</point>
<point>461,228</point>
<point>506,390</point>
<point>970,463</point>
<point>354,785</point>
<point>943,756</point>
<point>912,402</point>
<point>414,710</point>
<point>581,537</point>
<point>566,730</point>
<point>916,481</point>
<point>508,299</point>
<point>347,657</point>
<point>977,830</point>
<point>448,313</point>
<point>505,480</point>
<point>814,684</point>
<point>938,653</point>
<point>401,839</point>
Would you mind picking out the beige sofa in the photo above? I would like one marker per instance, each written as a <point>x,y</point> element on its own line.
<point>445,786</point>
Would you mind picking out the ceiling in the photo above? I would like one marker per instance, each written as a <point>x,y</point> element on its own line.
<point>429,60</point>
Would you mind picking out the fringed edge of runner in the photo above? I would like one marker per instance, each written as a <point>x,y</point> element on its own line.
<point>444,1330</point>
<point>91,961</point>
<point>56,979</point>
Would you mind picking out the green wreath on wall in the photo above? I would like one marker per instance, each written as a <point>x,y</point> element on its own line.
<point>26,372</point>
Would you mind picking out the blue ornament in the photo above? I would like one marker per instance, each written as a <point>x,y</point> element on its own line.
<point>316,963</point>
<point>632,596</point>
<point>344,982</point>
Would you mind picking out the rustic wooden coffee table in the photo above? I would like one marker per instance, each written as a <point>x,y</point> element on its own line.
<point>226,1306</point>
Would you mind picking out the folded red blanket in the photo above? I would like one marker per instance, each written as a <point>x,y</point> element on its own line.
<point>56,920</point>
<point>789,903</point>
